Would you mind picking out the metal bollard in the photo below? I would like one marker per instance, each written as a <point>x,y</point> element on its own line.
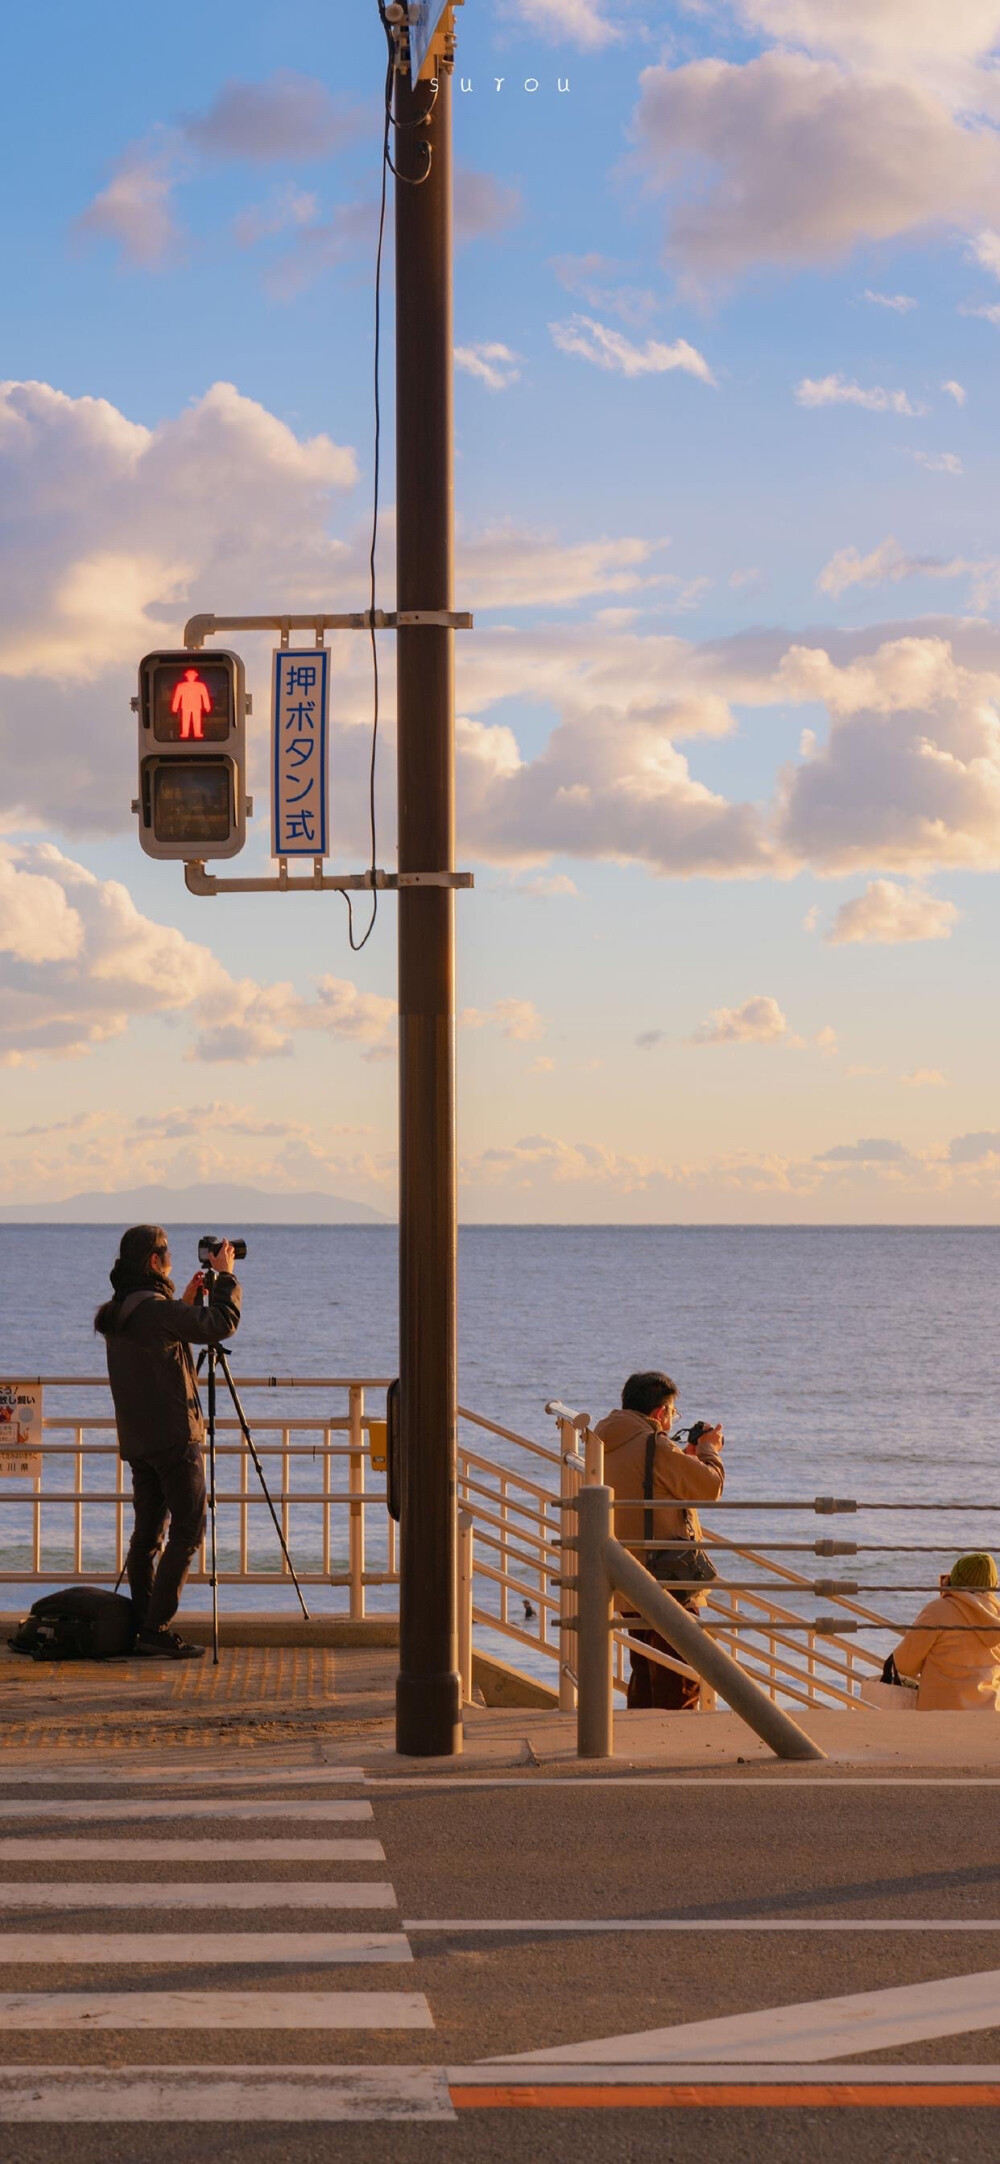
<point>466,1567</point>
<point>594,1719</point>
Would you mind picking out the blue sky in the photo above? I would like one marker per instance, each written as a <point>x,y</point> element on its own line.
<point>726,313</point>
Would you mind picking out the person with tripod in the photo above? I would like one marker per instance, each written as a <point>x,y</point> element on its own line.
<point>161,1429</point>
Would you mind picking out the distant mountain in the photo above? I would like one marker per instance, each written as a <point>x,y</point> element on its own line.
<point>215,1206</point>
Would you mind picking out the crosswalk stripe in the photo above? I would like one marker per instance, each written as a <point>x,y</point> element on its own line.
<point>85,1808</point>
<point>233,2094</point>
<point>85,2011</point>
<point>25,1848</point>
<point>211,1947</point>
<point>307,1893</point>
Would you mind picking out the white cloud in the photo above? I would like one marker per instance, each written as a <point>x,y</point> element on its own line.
<point>546,887</point>
<point>884,34</point>
<point>611,350</point>
<point>985,250</point>
<point>925,1078</point>
<point>484,205</point>
<point>836,390</point>
<point>900,303</point>
<point>508,566</point>
<point>491,363</point>
<point>583,275</point>
<point>874,1150</point>
<point>787,159</point>
<point>888,914</point>
<point>582,22</point>
<point>941,462</point>
<point>758,1021</point>
<point>112,532</point>
<point>79,963</point>
<point>990,313</point>
<point>517,1018</point>
<point>957,391</point>
<point>886,564</point>
<point>287,209</point>
<point>134,209</point>
<point>289,118</point>
<point>910,775</point>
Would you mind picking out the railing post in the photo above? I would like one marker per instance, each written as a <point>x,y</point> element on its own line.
<point>466,1567</point>
<point>569,1488</point>
<point>356,1511</point>
<point>593,1453</point>
<point>594,1720</point>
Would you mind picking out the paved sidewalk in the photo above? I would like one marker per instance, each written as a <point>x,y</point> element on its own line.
<point>338,1701</point>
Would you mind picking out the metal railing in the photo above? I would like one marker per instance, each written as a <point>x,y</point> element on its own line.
<point>318,1469</point>
<point>517,1584</point>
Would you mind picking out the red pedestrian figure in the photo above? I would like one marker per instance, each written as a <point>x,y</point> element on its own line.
<point>192,701</point>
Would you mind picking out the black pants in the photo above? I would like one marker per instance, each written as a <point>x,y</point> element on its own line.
<point>171,1487</point>
<point>650,1684</point>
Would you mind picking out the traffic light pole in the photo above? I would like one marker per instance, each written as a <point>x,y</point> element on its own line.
<point>428,1691</point>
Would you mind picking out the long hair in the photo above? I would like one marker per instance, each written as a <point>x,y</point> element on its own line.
<point>131,1271</point>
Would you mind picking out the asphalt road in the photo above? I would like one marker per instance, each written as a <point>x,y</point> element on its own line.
<point>771,1847</point>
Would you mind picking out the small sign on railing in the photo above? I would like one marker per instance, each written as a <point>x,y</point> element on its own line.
<point>20,1430</point>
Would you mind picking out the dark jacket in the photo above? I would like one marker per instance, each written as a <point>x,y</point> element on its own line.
<point>152,1373</point>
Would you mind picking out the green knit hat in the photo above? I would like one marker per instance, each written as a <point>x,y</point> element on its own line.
<point>974,1570</point>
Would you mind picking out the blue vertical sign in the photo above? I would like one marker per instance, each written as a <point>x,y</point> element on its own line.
<point>300,706</point>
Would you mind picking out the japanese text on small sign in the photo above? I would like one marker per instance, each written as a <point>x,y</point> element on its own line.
<point>299,731</point>
<point>21,1430</point>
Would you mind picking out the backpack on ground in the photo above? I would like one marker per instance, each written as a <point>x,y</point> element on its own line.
<point>84,1623</point>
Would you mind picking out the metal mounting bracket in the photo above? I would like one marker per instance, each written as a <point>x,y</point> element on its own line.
<point>199,628</point>
<point>198,881</point>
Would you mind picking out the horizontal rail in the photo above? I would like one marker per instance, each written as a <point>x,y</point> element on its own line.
<point>524,1442</point>
<point>243,1382</point>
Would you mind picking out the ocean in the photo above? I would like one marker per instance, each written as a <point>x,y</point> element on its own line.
<point>854,1362</point>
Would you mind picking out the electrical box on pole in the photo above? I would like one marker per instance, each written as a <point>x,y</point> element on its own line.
<point>192,800</point>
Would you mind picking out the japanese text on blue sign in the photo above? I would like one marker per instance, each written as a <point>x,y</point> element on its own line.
<point>299,728</point>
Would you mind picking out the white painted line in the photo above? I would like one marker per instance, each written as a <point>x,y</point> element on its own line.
<point>72,1848</point>
<point>490,2074</point>
<point>85,1809</point>
<point>861,2021</point>
<point>775,1783</point>
<point>236,2095</point>
<point>88,2010</point>
<point>694,1924</point>
<point>122,1776</point>
<point>309,1893</point>
<point>211,1947</point>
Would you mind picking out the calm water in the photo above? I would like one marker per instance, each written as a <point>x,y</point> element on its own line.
<point>857,1363</point>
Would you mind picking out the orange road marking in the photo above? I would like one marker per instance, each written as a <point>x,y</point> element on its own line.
<point>682,2094</point>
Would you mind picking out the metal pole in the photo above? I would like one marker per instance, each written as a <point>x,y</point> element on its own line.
<point>428,1690</point>
<point>466,1572</point>
<point>680,1629</point>
<point>594,1720</point>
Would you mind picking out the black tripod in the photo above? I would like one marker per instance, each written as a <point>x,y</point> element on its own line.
<point>215,1356</point>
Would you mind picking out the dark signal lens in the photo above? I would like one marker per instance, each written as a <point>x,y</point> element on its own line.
<point>193,801</point>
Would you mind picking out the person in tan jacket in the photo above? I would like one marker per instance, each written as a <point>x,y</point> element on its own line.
<point>681,1479</point>
<point>953,1650</point>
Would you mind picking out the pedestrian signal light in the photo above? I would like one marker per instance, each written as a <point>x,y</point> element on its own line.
<point>192,755</point>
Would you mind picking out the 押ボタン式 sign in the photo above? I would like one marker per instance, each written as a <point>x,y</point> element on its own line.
<point>299,717</point>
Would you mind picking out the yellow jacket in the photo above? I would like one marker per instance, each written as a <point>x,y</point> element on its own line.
<point>957,1671</point>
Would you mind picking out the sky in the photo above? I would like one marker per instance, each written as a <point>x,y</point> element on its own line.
<point>727,311</point>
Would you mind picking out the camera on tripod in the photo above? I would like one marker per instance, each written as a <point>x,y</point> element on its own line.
<point>209,1245</point>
